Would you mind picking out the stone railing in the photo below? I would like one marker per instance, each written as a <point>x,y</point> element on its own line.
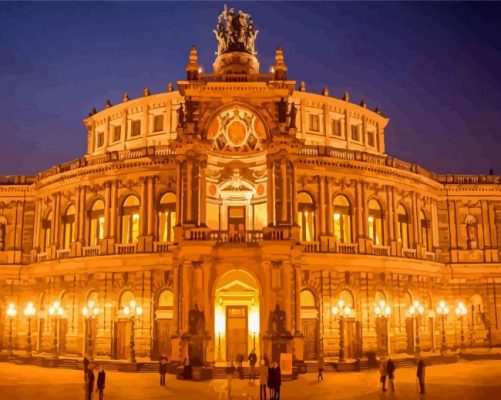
<point>236,237</point>
<point>429,255</point>
<point>64,253</point>
<point>42,257</point>
<point>91,251</point>
<point>409,253</point>
<point>347,248</point>
<point>311,247</point>
<point>380,250</point>
<point>196,234</point>
<point>277,233</point>
<point>162,247</point>
<point>125,248</point>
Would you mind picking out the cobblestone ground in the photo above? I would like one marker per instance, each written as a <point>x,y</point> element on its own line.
<point>462,381</point>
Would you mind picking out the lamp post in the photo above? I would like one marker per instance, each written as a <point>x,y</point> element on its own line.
<point>442,310</point>
<point>90,313</point>
<point>11,314</point>
<point>340,312</point>
<point>29,312</point>
<point>461,312</point>
<point>132,312</point>
<point>383,312</point>
<point>415,311</point>
<point>56,311</point>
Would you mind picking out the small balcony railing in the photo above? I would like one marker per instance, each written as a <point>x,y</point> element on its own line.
<point>409,253</point>
<point>236,236</point>
<point>42,257</point>
<point>347,248</point>
<point>162,247</point>
<point>380,250</point>
<point>311,247</point>
<point>64,253</point>
<point>125,248</point>
<point>429,255</point>
<point>91,251</point>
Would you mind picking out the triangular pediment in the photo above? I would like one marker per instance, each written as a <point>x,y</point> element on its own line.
<point>237,286</point>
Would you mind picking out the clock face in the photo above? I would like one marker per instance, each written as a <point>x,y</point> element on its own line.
<point>234,129</point>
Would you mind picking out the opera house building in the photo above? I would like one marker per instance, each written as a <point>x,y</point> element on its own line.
<point>238,211</point>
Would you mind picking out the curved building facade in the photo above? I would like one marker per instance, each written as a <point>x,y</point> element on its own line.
<point>241,211</point>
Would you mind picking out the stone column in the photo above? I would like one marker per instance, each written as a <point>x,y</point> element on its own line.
<point>330,209</point>
<point>144,206</point>
<point>189,192</point>
<point>271,193</point>
<point>389,219</point>
<point>186,297</point>
<point>151,205</point>
<point>359,214</point>
<point>107,210</point>
<point>56,218</point>
<point>434,224</point>
<point>283,170</point>
<point>365,208</point>
<point>202,205</point>
<point>415,221</point>
<point>37,223</point>
<point>297,310</point>
<point>293,195</point>
<point>321,205</point>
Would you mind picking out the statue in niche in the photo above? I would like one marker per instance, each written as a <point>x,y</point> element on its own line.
<point>181,123</point>
<point>190,109</point>
<point>471,232</point>
<point>282,110</point>
<point>2,236</point>
<point>292,116</point>
<point>277,321</point>
<point>196,321</point>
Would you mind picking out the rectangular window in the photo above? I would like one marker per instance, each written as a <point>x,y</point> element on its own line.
<point>370,139</point>
<point>117,132</point>
<point>100,139</point>
<point>336,127</point>
<point>354,133</point>
<point>158,123</point>
<point>314,123</point>
<point>135,127</point>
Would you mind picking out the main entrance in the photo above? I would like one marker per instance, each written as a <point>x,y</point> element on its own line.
<point>237,323</point>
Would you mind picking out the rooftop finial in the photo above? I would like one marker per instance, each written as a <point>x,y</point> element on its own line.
<point>126,97</point>
<point>346,96</point>
<point>279,67</point>
<point>146,92</point>
<point>363,104</point>
<point>302,86</point>
<point>108,104</point>
<point>325,91</point>
<point>169,87</point>
<point>235,32</point>
<point>192,66</point>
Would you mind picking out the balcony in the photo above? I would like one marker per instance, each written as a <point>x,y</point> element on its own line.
<point>65,253</point>
<point>381,250</point>
<point>42,257</point>
<point>162,247</point>
<point>409,253</point>
<point>430,256</point>
<point>125,248</point>
<point>311,247</point>
<point>347,248</point>
<point>91,251</point>
<point>236,237</point>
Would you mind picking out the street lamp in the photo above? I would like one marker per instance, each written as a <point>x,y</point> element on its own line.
<point>90,312</point>
<point>340,312</point>
<point>461,312</point>
<point>131,313</point>
<point>56,311</point>
<point>442,310</point>
<point>29,312</point>
<point>415,311</point>
<point>11,314</point>
<point>383,312</point>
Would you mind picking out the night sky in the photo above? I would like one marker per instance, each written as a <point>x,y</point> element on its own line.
<point>433,68</point>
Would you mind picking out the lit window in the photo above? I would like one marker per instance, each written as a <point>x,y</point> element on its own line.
<point>314,123</point>
<point>130,220</point>
<point>355,133</point>
<point>100,139</point>
<point>167,217</point>
<point>342,219</point>
<point>375,222</point>
<point>69,227</point>
<point>425,226</point>
<point>96,223</point>
<point>336,127</point>
<point>46,231</point>
<point>117,132</point>
<point>158,123</point>
<point>135,127</point>
<point>306,217</point>
<point>370,139</point>
<point>403,226</point>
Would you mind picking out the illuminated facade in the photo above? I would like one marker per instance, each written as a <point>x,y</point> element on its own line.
<point>236,212</point>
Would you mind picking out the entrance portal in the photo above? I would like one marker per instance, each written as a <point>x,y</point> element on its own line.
<point>236,324</point>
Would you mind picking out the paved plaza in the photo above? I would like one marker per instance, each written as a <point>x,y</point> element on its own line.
<point>464,381</point>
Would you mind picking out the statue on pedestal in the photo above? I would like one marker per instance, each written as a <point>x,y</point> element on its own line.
<point>277,321</point>
<point>196,321</point>
<point>292,116</point>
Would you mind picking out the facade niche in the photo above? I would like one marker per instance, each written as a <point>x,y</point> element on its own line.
<point>471,232</point>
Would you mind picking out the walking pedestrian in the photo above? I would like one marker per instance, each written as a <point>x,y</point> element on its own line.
<point>420,373</point>
<point>85,367</point>
<point>89,383</point>
<point>321,367</point>
<point>383,366</point>
<point>101,379</point>
<point>263,380</point>
<point>162,368</point>
<point>252,362</point>
<point>390,369</point>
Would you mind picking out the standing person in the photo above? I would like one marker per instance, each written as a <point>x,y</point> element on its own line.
<point>390,369</point>
<point>321,367</point>
<point>278,381</point>
<point>230,371</point>
<point>162,368</point>
<point>252,362</point>
<point>101,379</point>
<point>271,380</point>
<point>89,383</point>
<point>85,367</point>
<point>420,374</point>
<point>383,366</point>
<point>263,380</point>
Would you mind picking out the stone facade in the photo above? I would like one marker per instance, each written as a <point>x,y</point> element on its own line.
<point>237,211</point>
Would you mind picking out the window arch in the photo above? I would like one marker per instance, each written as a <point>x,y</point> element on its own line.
<point>379,297</point>
<point>166,217</point>
<point>125,299</point>
<point>130,219</point>
<point>375,222</point>
<point>69,227</point>
<point>306,216</point>
<point>307,299</point>
<point>96,216</point>
<point>403,226</point>
<point>342,219</point>
<point>47,232</point>
<point>165,299</point>
<point>347,297</point>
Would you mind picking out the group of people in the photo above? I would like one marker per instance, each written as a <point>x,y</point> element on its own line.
<point>387,370</point>
<point>270,376</point>
<point>90,379</point>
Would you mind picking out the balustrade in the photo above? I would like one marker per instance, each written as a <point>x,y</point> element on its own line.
<point>429,255</point>
<point>347,248</point>
<point>162,247</point>
<point>236,237</point>
<point>90,251</point>
<point>64,253</point>
<point>125,248</point>
<point>311,247</point>
<point>409,253</point>
<point>380,250</point>
<point>42,257</point>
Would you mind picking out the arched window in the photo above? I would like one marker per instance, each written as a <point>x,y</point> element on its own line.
<point>342,219</point>
<point>379,297</point>
<point>308,299</point>
<point>306,216</point>
<point>125,299</point>
<point>47,232</point>
<point>167,217</point>
<point>403,226</point>
<point>69,227</point>
<point>471,232</point>
<point>3,239</point>
<point>425,226</point>
<point>375,222</point>
<point>96,222</point>
<point>347,298</point>
<point>166,299</point>
<point>130,219</point>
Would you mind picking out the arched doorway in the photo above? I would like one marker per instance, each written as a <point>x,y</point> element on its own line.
<point>409,322</point>
<point>309,324</point>
<point>236,316</point>
<point>382,323</point>
<point>122,328</point>
<point>351,327</point>
<point>163,323</point>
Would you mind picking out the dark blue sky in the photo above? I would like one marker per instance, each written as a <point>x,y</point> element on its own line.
<point>433,68</point>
